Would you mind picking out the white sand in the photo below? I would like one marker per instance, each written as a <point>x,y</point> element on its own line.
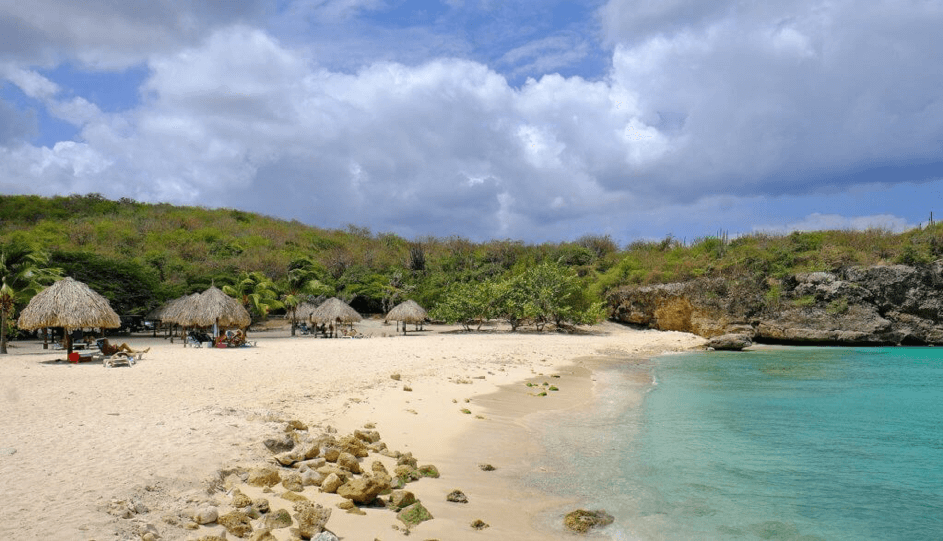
<point>160,431</point>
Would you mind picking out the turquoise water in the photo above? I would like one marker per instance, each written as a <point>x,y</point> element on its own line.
<point>791,443</point>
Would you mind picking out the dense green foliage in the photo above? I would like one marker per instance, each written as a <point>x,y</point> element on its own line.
<point>139,255</point>
<point>24,271</point>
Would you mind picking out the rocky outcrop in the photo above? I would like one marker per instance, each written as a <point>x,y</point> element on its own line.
<point>730,342</point>
<point>878,305</point>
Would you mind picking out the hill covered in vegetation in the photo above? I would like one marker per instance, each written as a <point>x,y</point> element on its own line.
<point>140,254</point>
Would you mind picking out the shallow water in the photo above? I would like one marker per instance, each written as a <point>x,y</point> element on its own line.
<point>789,443</point>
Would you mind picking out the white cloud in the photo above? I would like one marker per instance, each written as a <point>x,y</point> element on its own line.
<point>823,222</point>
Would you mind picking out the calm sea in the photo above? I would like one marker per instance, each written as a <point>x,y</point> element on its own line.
<point>786,443</point>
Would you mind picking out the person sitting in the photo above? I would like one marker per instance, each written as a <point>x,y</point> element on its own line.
<point>108,348</point>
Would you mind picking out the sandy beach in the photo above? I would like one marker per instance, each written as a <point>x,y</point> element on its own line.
<point>80,444</point>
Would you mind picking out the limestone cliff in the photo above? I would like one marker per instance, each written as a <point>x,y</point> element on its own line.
<point>893,304</point>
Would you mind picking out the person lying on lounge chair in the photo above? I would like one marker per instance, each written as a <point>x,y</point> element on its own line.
<point>110,349</point>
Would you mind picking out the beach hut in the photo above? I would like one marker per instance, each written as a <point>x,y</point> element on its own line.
<point>333,311</point>
<point>69,304</point>
<point>407,312</point>
<point>159,314</point>
<point>212,308</point>
<point>303,312</point>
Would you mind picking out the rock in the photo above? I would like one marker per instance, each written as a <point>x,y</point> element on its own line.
<point>295,425</point>
<point>328,469</point>
<point>346,504</point>
<point>289,458</point>
<point>362,490</point>
<point>414,514</point>
<point>457,496</point>
<point>263,477</point>
<point>277,519</point>
<point>206,515</point>
<point>325,536</point>
<point>331,483</point>
<point>312,478</point>
<point>354,446</point>
<point>348,462</point>
<point>311,464</point>
<point>377,447</point>
<point>377,467</point>
<point>236,523</point>
<point>407,388</point>
<point>281,444</point>
<point>407,473</point>
<point>311,518</point>
<point>293,497</point>
<point>262,535</point>
<point>261,504</point>
<point>330,454</point>
<point>486,467</point>
<point>239,499</point>
<point>401,498</point>
<point>581,520</point>
<point>292,481</point>
<point>395,377</point>
<point>406,459</point>
<point>730,342</point>
<point>479,524</point>
<point>367,436</point>
<point>429,471</point>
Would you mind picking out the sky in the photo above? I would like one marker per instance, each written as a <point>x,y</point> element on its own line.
<point>487,119</point>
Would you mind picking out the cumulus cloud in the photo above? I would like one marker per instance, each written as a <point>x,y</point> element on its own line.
<point>111,35</point>
<point>819,222</point>
<point>708,109</point>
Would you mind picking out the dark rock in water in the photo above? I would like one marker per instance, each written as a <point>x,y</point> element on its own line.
<point>479,524</point>
<point>581,520</point>
<point>236,523</point>
<point>730,342</point>
<point>414,514</point>
<point>457,496</point>
<point>281,444</point>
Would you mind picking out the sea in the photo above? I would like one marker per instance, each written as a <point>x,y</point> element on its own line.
<point>791,443</point>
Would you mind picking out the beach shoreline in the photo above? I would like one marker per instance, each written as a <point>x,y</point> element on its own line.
<point>157,434</point>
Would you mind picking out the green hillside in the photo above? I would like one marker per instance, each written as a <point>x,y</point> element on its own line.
<point>139,254</point>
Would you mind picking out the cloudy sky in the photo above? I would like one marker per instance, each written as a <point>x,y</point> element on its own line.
<point>541,120</point>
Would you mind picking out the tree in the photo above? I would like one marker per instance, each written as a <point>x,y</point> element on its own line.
<point>256,291</point>
<point>24,273</point>
<point>469,302</point>
<point>301,283</point>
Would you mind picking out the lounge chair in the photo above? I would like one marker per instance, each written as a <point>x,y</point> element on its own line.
<point>122,358</point>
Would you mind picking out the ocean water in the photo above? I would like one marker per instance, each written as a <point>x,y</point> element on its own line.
<point>782,444</point>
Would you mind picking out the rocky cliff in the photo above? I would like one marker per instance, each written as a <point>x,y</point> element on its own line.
<point>880,305</point>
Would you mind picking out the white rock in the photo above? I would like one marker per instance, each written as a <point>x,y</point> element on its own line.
<point>206,515</point>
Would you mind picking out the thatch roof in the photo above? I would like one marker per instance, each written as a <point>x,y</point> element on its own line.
<point>333,310</point>
<point>217,307</point>
<point>304,310</point>
<point>408,311</point>
<point>68,303</point>
<point>180,310</point>
<point>160,313</point>
<point>205,309</point>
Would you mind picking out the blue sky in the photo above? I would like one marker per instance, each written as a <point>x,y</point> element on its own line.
<point>540,121</point>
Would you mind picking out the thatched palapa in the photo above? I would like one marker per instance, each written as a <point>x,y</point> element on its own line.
<point>334,310</point>
<point>69,304</point>
<point>407,312</point>
<point>304,310</point>
<point>208,308</point>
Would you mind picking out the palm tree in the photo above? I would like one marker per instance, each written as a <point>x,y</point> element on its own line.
<point>256,291</point>
<point>301,284</point>
<point>23,273</point>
